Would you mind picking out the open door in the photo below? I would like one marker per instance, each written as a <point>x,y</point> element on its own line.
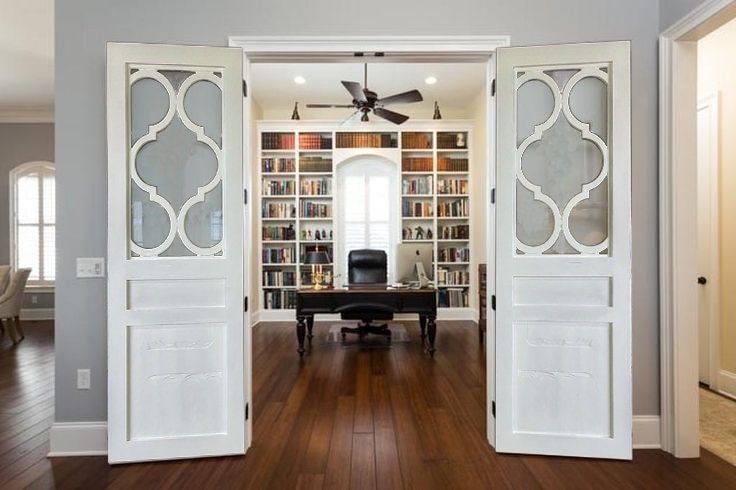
<point>175,252</point>
<point>563,285</point>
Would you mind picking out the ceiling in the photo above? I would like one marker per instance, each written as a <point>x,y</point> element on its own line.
<point>27,58</point>
<point>273,87</point>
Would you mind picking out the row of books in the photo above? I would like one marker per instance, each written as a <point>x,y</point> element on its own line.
<point>416,141</point>
<point>316,187</point>
<point>285,255</point>
<point>278,165</point>
<point>416,164</point>
<point>452,277</point>
<point>453,254</point>
<point>452,186</point>
<point>454,232</point>
<point>279,187</point>
<point>310,209</point>
<point>452,298</point>
<point>367,140</point>
<point>459,208</point>
<point>417,185</point>
<point>278,210</point>
<point>278,233</point>
<point>452,140</point>
<point>279,300</point>
<point>315,141</point>
<point>447,164</point>
<point>279,278</point>
<point>277,141</point>
<point>315,164</point>
<point>416,209</point>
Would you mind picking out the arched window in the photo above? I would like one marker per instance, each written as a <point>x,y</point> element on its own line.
<point>367,209</point>
<point>33,220</point>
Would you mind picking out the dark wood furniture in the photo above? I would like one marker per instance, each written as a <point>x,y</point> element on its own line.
<point>422,302</point>
<point>367,268</point>
<point>482,296</point>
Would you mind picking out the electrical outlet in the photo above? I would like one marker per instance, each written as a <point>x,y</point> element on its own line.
<point>83,379</point>
<point>90,267</point>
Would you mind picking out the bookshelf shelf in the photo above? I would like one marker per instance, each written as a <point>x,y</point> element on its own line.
<point>298,155</point>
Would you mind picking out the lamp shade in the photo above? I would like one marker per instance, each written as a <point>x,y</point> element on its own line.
<point>313,258</point>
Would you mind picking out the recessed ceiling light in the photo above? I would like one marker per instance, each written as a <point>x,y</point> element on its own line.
<point>430,80</point>
<point>300,80</point>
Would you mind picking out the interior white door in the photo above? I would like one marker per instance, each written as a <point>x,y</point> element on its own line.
<point>175,252</point>
<point>563,284</point>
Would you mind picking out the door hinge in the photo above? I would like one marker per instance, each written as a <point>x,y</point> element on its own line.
<point>493,87</point>
<point>493,408</point>
<point>245,88</point>
<point>493,196</point>
<point>245,303</point>
<point>245,196</point>
<point>247,411</point>
<point>493,302</point>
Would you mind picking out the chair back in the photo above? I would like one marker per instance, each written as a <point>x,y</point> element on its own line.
<point>367,267</point>
<point>12,299</point>
<point>4,277</point>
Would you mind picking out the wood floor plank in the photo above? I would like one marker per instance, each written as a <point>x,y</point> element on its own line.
<point>363,462</point>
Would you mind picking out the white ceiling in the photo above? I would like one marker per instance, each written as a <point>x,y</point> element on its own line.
<point>26,58</point>
<point>273,87</point>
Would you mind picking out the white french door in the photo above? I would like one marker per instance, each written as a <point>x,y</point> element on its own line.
<point>175,252</point>
<point>563,284</point>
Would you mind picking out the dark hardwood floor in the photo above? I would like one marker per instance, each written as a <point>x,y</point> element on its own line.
<point>342,418</point>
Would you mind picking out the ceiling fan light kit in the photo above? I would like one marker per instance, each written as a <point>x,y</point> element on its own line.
<point>366,101</point>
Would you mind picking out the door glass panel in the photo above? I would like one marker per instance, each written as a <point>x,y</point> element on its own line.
<point>176,141</point>
<point>562,161</point>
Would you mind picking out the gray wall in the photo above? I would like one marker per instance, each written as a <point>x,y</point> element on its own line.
<point>83,27</point>
<point>20,143</point>
<point>670,11</point>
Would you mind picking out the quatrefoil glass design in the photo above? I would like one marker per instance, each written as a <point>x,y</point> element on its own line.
<point>562,160</point>
<point>175,162</point>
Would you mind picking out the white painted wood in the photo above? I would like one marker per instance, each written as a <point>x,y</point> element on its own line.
<point>77,439</point>
<point>490,339</point>
<point>646,432</point>
<point>726,383</point>
<point>175,372</point>
<point>36,314</point>
<point>563,372</point>
<point>708,239</point>
<point>677,157</point>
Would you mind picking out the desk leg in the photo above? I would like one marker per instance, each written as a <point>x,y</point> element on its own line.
<point>423,326</point>
<point>300,332</point>
<point>431,333</point>
<point>310,324</point>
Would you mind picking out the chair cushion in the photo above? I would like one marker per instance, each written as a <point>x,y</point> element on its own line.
<point>367,267</point>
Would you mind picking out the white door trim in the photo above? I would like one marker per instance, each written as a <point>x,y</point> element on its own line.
<point>677,245</point>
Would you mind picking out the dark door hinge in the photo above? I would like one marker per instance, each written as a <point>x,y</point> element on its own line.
<point>493,302</point>
<point>245,303</point>
<point>493,87</point>
<point>247,410</point>
<point>245,88</point>
<point>493,196</point>
<point>245,196</point>
<point>493,408</point>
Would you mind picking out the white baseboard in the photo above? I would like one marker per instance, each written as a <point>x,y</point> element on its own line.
<point>32,314</point>
<point>78,439</point>
<point>646,432</point>
<point>726,383</point>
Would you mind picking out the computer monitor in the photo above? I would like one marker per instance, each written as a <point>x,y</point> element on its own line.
<point>411,255</point>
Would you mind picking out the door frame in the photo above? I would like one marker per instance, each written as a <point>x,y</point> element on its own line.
<point>679,424</point>
<point>410,48</point>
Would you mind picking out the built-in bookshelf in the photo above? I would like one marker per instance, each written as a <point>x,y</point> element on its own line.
<point>296,189</point>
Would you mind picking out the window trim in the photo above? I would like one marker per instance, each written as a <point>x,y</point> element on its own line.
<point>14,175</point>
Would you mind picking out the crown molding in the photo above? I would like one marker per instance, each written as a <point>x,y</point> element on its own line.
<point>26,115</point>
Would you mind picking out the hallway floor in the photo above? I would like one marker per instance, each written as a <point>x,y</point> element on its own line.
<point>718,424</point>
<point>342,418</point>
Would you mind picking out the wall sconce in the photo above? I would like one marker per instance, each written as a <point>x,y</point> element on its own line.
<point>295,113</point>
<point>436,114</point>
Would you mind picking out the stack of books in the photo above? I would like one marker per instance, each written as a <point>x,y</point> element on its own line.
<point>417,185</point>
<point>277,141</point>
<point>459,208</point>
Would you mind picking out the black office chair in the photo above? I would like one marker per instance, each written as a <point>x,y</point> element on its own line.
<point>365,268</point>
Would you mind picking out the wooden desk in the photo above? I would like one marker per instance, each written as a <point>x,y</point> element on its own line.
<point>422,302</point>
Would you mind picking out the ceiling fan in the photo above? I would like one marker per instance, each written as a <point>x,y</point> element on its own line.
<point>365,101</point>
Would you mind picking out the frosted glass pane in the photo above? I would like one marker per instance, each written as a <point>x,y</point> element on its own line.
<point>27,198</point>
<point>203,223</point>
<point>203,103</point>
<point>149,103</point>
<point>49,253</point>
<point>149,222</point>
<point>49,199</point>
<point>28,251</point>
<point>534,221</point>
<point>589,104</point>
<point>535,104</point>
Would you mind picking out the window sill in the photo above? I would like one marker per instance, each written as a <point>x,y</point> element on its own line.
<point>40,288</point>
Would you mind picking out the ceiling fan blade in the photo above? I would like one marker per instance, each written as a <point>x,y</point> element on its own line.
<point>403,98</point>
<point>330,106</point>
<point>356,90</point>
<point>392,116</point>
<point>349,118</point>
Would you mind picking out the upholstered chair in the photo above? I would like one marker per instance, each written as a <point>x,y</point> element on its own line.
<point>4,277</point>
<point>10,304</point>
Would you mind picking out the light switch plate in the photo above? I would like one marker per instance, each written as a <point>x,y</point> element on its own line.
<point>90,267</point>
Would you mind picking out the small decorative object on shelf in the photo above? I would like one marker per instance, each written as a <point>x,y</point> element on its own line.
<point>419,233</point>
<point>317,259</point>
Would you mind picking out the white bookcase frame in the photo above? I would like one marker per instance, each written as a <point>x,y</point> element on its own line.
<point>333,127</point>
